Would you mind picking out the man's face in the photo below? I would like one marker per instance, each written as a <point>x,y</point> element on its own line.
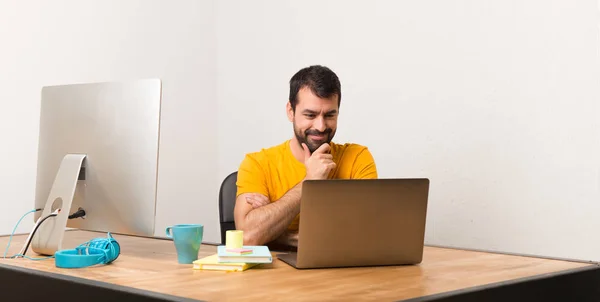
<point>315,119</point>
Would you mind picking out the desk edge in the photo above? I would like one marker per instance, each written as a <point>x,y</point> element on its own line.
<point>96,283</point>
<point>495,285</point>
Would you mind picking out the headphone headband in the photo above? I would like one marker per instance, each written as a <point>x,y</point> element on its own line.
<point>95,251</point>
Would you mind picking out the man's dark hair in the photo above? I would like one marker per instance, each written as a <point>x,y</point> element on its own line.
<point>321,80</point>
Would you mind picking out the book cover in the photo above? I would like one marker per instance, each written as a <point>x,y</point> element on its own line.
<point>259,254</point>
<point>240,251</point>
<point>212,263</point>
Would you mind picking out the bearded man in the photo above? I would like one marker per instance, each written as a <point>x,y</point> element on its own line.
<point>269,182</point>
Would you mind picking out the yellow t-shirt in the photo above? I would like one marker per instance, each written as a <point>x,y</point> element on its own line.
<point>274,171</point>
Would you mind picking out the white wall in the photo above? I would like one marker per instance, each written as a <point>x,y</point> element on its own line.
<point>61,42</point>
<point>494,101</point>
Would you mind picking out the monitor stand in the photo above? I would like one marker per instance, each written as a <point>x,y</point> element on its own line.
<point>48,238</point>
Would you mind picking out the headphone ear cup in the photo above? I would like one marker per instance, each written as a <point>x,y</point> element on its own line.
<point>111,246</point>
<point>116,247</point>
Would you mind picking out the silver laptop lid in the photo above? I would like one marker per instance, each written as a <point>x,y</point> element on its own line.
<point>365,222</point>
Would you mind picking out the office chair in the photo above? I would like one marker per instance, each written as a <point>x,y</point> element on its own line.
<point>227,203</point>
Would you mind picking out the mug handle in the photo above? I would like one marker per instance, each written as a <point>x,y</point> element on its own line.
<point>168,232</point>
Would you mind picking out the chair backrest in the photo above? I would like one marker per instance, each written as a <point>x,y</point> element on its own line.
<point>227,203</point>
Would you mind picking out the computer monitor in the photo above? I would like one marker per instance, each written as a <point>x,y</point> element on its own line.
<point>98,150</point>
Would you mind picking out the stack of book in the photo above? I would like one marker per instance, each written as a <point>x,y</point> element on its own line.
<point>238,260</point>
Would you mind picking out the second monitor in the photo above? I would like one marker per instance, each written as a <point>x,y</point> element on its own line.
<point>98,146</point>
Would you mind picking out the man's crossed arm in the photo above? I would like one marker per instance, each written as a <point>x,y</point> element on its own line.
<point>263,224</point>
<point>263,221</point>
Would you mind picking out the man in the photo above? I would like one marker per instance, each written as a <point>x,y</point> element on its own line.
<point>269,182</point>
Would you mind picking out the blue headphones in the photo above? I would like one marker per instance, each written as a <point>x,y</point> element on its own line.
<point>95,251</point>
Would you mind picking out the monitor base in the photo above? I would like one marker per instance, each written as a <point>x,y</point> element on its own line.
<point>49,236</point>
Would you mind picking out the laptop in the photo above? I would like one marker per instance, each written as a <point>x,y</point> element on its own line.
<point>360,222</point>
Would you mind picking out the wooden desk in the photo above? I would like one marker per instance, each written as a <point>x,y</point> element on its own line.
<point>151,265</point>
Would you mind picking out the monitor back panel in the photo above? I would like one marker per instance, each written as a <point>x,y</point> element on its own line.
<point>116,124</point>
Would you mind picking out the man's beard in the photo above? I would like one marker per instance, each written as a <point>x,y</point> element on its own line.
<point>313,145</point>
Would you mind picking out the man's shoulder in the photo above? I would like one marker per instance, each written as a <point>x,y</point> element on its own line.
<point>256,168</point>
<point>349,148</point>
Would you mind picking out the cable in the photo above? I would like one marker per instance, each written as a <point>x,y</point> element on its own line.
<point>80,213</point>
<point>31,258</point>
<point>37,223</point>
<point>54,214</point>
<point>29,237</point>
<point>15,229</point>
